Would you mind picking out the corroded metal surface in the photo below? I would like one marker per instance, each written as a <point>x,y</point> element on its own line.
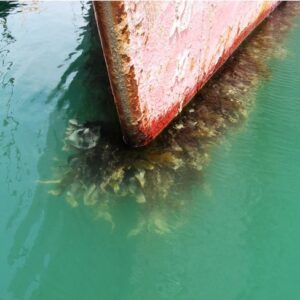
<point>159,54</point>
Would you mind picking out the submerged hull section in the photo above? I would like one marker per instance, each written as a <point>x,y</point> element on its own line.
<point>159,54</point>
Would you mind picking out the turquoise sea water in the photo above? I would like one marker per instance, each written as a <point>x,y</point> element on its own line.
<point>240,237</point>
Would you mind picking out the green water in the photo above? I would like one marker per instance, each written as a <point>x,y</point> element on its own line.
<point>239,239</point>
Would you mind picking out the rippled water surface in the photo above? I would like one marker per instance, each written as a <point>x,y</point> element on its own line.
<point>237,235</point>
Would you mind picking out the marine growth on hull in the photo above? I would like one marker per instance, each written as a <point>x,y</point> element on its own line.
<point>100,172</point>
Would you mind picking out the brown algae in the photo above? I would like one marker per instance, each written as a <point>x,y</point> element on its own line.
<point>155,175</point>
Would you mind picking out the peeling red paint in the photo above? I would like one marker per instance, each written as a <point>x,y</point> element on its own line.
<point>159,54</point>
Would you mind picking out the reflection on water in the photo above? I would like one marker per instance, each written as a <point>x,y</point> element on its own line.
<point>9,122</point>
<point>30,95</point>
<point>159,176</point>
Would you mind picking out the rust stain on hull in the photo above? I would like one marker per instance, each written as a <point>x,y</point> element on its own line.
<point>110,16</point>
<point>130,39</point>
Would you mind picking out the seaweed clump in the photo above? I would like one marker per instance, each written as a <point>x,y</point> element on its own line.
<point>156,175</point>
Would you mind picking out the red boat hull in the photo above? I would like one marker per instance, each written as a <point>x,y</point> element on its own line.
<point>159,54</point>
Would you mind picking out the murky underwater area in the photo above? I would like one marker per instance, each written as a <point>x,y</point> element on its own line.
<point>209,211</point>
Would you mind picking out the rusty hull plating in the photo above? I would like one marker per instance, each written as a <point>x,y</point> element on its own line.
<point>159,54</point>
